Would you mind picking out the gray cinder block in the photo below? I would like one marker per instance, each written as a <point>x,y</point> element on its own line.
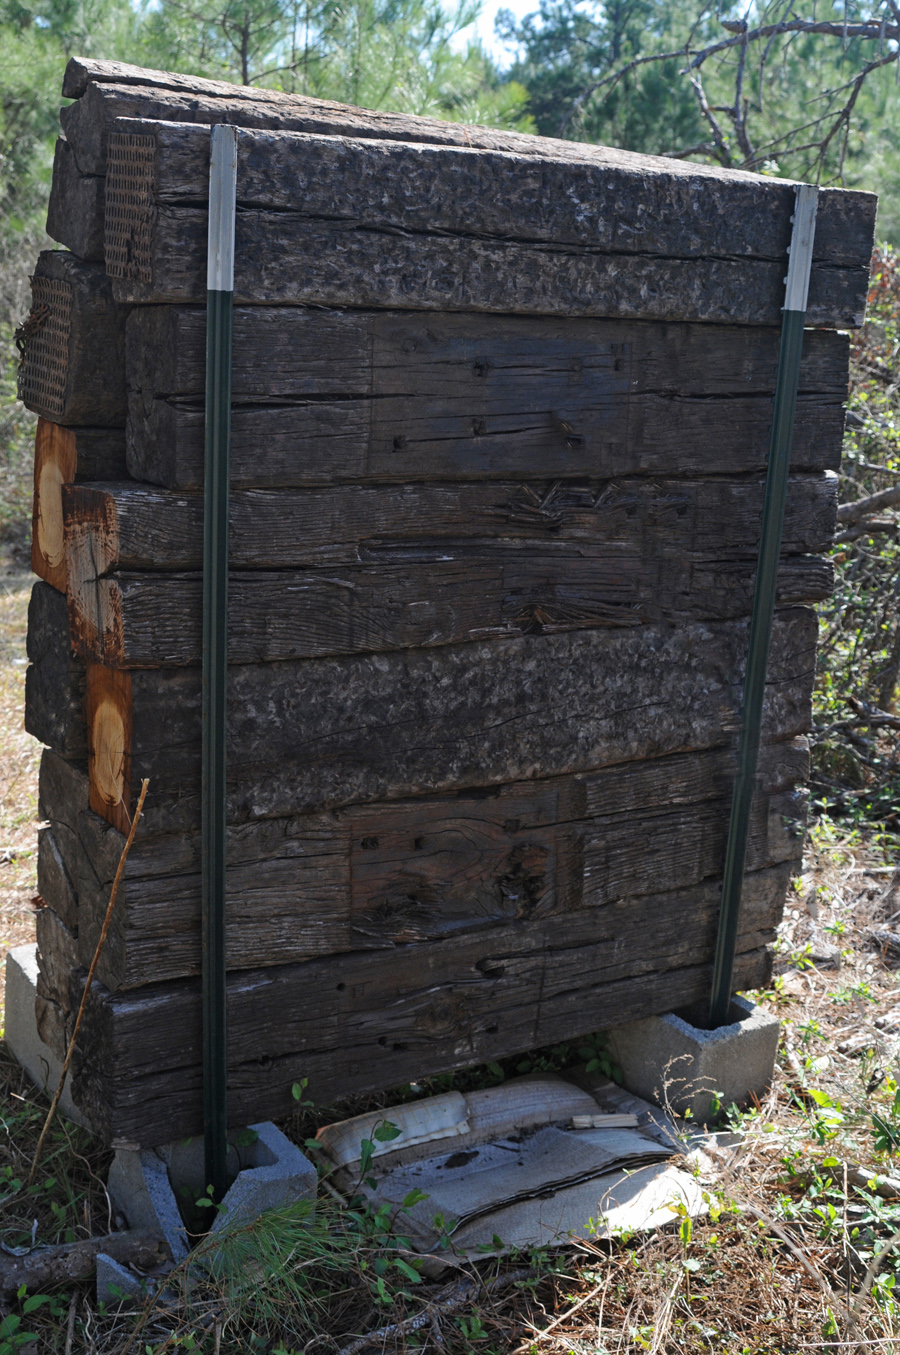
<point>144,1183</point>
<point>277,1174</point>
<point>115,1282</point>
<point>21,1032</point>
<point>668,1060</point>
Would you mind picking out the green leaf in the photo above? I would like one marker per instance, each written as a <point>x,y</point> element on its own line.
<point>406,1269</point>
<point>414,1197</point>
<point>386,1131</point>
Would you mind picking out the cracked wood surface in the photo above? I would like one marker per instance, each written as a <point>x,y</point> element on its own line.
<point>323,396</point>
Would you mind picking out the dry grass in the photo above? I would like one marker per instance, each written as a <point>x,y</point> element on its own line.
<point>19,758</point>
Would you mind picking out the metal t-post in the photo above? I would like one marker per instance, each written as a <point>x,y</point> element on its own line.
<point>764,596</point>
<point>219,305</point>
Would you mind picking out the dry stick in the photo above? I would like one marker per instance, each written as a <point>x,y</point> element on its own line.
<point>104,930</point>
<point>457,1297</point>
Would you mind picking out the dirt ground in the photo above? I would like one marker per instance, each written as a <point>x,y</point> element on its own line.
<point>19,760</point>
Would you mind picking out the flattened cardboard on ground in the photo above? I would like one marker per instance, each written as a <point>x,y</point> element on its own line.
<point>516,1169</point>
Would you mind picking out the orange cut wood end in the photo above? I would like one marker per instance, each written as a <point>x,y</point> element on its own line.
<point>55,459</point>
<point>108,711</point>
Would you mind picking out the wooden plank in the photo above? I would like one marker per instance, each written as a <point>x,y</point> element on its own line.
<point>116,527</point>
<point>146,620</point>
<point>379,876</point>
<point>285,258</point>
<point>105,91</point>
<point>651,206</point>
<point>77,206</point>
<point>443,565</point>
<point>100,102</point>
<point>73,366</point>
<point>468,876</point>
<point>323,732</point>
<point>321,396</point>
<point>54,679</point>
<point>54,881</point>
<point>378,1024</point>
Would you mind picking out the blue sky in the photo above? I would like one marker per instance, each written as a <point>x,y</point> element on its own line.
<point>484,26</point>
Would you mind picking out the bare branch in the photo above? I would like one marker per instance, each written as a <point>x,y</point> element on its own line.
<point>852,512</point>
<point>718,136</point>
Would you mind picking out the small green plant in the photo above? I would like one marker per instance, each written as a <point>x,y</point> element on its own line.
<point>12,1336</point>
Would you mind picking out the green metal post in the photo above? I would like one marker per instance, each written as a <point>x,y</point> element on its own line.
<point>764,596</point>
<point>219,305</point>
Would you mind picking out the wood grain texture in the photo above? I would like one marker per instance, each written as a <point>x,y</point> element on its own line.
<point>379,1023</point>
<point>55,461</point>
<point>77,206</point>
<point>393,876</point>
<point>63,456</point>
<point>106,91</point>
<point>124,526</point>
<point>320,396</point>
<point>54,679</point>
<point>55,884</point>
<point>283,258</point>
<point>88,370</point>
<point>147,620</point>
<point>325,732</point>
<point>108,717</point>
<point>417,566</point>
<point>646,206</point>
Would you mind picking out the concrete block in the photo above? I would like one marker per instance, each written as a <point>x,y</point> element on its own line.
<point>276,1174</point>
<point>140,1190</point>
<point>668,1060</point>
<point>116,1283</point>
<point>145,1184</point>
<point>21,1032</point>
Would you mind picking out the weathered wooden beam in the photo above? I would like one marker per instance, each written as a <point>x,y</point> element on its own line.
<point>147,620</point>
<point>337,221</point>
<point>102,99</point>
<point>56,885</point>
<point>325,732</point>
<point>386,875</point>
<point>63,456</point>
<point>77,206</point>
<point>396,567</point>
<point>376,1020</point>
<point>54,679</point>
<point>323,396</point>
<point>73,365</point>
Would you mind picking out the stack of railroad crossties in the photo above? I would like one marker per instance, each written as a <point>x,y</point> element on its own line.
<point>501,416</point>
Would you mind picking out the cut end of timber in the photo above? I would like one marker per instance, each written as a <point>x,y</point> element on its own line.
<point>108,710</point>
<point>54,466</point>
<point>91,546</point>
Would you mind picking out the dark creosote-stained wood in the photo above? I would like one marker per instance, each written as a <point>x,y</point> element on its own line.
<point>102,97</point>
<point>395,567</point>
<point>73,364</point>
<point>54,679</point>
<point>322,396</point>
<point>325,732</point>
<point>378,1020</point>
<point>54,881</point>
<point>338,221</point>
<point>63,456</point>
<point>77,206</point>
<point>378,876</point>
